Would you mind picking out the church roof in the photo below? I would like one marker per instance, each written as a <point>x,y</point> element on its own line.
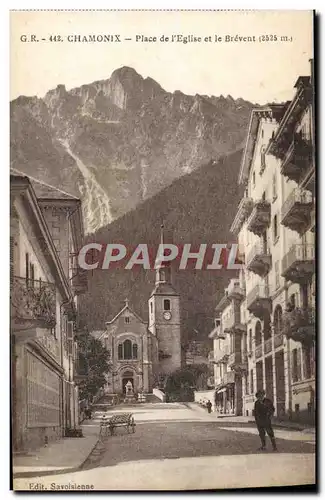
<point>164,289</point>
<point>126,307</point>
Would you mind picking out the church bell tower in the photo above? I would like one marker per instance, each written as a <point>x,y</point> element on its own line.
<point>164,318</point>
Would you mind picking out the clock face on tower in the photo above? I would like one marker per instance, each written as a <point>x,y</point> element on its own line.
<point>167,315</point>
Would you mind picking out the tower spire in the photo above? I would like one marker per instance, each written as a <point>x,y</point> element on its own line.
<point>162,268</point>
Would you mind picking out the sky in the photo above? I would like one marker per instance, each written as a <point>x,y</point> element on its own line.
<point>259,71</point>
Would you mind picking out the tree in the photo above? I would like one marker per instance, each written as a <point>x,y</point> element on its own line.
<point>92,365</point>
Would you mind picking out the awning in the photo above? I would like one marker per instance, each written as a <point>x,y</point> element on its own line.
<point>222,390</point>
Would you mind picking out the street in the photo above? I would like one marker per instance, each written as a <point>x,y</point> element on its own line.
<point>176,446</point>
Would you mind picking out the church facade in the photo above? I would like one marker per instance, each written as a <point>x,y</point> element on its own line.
<point>143,351</point>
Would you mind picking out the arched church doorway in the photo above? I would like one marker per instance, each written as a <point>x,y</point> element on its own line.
<point>127,376</point>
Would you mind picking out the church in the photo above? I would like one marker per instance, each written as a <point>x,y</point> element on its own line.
<point>143,351</point>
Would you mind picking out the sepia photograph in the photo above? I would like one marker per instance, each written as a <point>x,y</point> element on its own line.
<point>162,250</point>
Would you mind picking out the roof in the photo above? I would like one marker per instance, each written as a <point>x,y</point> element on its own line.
<point>273,110</point>
<point>44,190</point>
<point>126,307</point>
<point>164,289</point>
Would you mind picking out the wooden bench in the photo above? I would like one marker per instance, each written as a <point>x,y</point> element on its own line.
<point>121,420</point>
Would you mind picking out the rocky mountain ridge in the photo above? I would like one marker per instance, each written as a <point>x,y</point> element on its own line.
<point>119,141</point>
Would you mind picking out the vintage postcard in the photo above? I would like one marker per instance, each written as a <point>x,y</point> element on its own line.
<point>162,250</point>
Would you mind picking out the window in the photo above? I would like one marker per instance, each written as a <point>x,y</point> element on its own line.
<point>277,321</point>
<point>120,351</point>
<point>274,188</point>
<point>250,340</point>
<point>127,350</point>
<point>296,367</point>
<point>127,319</point>
<point>247,384</point>
<point>275,229</point>
<point>277,275</point>
<point>306,356</point>
<point>253,179</point>
<point>292,300</point>
<point>252,381</point>
<point>258,333</point>
<point>151,308</point>
<point>166,305</point>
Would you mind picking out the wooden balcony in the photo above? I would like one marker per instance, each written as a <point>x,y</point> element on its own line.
<point>298,158</point>
<point>299,324</point>
<point>260,217</point>
<point>259,259</point>
<point>296,210</point>
<point>298,264</point>
<point>33,305</point>
<point>238,361</point>
<point>232,324</point>
<point>258,301</point>
<point>235,291</point>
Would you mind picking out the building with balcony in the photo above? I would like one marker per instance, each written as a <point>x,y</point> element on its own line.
<point>43,310</point>
<point>275,223</point>
<point>229,353</point>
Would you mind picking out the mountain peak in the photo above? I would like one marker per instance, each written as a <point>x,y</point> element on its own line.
<point>126,73</point>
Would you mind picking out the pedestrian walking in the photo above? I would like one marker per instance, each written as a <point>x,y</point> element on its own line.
<point>209,406</point>
<point>263,412</point>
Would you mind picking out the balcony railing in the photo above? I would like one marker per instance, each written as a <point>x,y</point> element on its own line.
<point>296,210</point>
<point>259,259</point>
<point>299,324</point>
<point>33,304</point>
<point>238,360</point>
<point>297,159</point>
<point>267,346</point>
<point>229,378</point>
<point>298,264</point>
<point>235,290</point>
<point>232,324</point>
<point>222,356</point>
<point>278,340</point>
<point>245,208</point>
<point>260,217</point>
<point>259,302</point>
<point>259,351</point>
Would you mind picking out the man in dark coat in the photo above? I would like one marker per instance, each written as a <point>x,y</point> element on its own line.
<point>263,411</point>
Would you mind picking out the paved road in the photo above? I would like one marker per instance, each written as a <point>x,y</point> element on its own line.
<point>175,447</point>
